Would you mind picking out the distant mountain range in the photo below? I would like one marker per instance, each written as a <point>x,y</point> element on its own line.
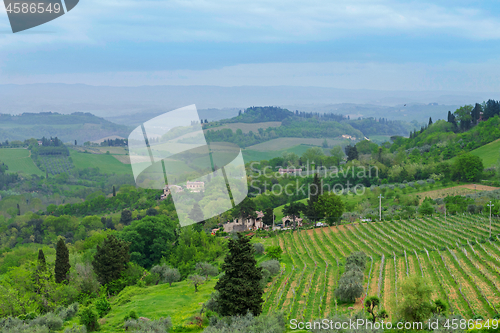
<point>134,105</point>
<point>76,126</point>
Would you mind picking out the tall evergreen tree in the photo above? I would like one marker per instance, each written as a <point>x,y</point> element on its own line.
<point>430,121</point>
<point>315,190</point>
<point>111,259</point>
<point>126,217</point>
<point>114,191</point>
<point>476,113</point>
<point>62,262</point>
<point>239,288</point>
<point>268,217</point>
<point>196,214</point>
<point>18,210</point>
<point>351,152</point>
<point>42,264</point>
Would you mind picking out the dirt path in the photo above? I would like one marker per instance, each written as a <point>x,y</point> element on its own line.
<point>388,294</point>
<point>373,289</point>
<point>412,265</point>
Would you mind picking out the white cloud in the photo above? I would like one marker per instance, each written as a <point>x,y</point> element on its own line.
<point>100,21</point>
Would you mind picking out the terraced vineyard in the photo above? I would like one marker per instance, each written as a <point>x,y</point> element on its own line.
<point>456,254</point>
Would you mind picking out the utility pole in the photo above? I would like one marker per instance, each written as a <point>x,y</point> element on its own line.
<point>490,205</point>
<point>273,219</point>
<point>380,207</point>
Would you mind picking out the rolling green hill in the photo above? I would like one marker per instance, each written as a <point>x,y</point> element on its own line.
<point>106,163</point>
<point>76,126</point>
<point>490,153</point>
<point>178,302</point>
<point>19,160</point>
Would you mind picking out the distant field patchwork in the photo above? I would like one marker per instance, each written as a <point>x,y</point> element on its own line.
<point>19,160</point>
<point>255,155</point>
<point>245,127</point>
<point>456,190</point>
<point>285,143</point>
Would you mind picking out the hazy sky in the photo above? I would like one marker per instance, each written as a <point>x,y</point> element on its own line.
<point>387,45</point>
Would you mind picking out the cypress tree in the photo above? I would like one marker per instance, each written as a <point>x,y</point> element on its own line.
<point>315,190</point>
<point>62,262</point>
<point>114,191</point>
<point>239,288</point>
<point>111,259</point>
<point>430,121</point>
<point>126,217</point>
<point>196,213</point>
<point>42,264</point>
<point>18,210</point>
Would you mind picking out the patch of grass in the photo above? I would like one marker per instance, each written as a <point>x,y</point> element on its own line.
<point>19,160</point>
<point>250,155</point>
<point>247,127</point>
<point>379,139</point>
<point>285,143</point>
<point>106,163</point>
<point>489,153</point>
<point>178,302</point>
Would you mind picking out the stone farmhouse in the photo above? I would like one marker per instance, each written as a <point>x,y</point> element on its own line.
<point>246,224</point>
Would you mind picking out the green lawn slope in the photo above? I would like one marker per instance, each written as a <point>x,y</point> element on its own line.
<point>19,160</point>
<point>178,302</point>
<point>106,163</point>
<point>489,153</point>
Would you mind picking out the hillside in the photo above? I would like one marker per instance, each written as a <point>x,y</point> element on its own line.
<point>489,153</point>
<point>262,125</point>
<point>395,250</point>
<point>76,126</point>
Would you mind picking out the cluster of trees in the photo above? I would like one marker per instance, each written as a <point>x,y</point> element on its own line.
<point>51,147</point>
<point>98,203</point>
<point>6,179</point>
<point>114,142</point>
<point>370,126</point>
<point>367,126</point>
<point>295,127</point>
<point>445,139</point>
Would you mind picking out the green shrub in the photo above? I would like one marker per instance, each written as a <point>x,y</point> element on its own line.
<point>76,329</point>
<point>152,279</point>
<point>102,306</point>
<point>273,266</point>
<point>69,312</point>
<point>131,315</point>
<point>262,324</point>
<point>88,318</point>
<point>259,248</point>
<point>52,321</point>
<point>149,326</point>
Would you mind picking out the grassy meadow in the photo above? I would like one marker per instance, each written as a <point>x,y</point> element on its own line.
<point>19,160</point>
<point>490,153</point>
<point>286,143</point>
<point>106,163</point>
